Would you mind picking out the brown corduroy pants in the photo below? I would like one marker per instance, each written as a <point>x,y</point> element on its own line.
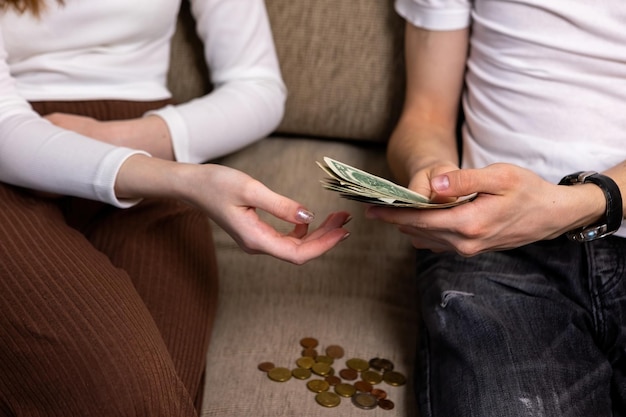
<point>103,311</point>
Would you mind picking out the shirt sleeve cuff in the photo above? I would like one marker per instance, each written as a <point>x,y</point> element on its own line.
<point>178,131</point>
<point>106,176</point>
<point>454,16</point>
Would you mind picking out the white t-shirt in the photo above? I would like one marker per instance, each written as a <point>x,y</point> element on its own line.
<point>119,49</point>
<point>546,81</point>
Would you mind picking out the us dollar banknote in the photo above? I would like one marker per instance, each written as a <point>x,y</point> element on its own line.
<point>355,184</point>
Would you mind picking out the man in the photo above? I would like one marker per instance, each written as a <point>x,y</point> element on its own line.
<point>523,292</point>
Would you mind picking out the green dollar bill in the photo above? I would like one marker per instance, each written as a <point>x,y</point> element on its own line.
<point>355,184</point>
<point>370,181</point>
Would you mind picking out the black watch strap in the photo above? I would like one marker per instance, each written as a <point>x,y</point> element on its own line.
<point>614,210</point>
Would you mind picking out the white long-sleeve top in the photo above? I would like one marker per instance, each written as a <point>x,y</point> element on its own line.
<point>119,49</point>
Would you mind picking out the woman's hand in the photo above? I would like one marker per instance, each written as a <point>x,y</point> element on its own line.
<point>149,133</point>
<point>232,198</point>
<point>514,207</point>
<point>228,196</point>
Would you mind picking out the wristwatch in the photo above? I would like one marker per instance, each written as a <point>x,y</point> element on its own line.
<point>614,211</point>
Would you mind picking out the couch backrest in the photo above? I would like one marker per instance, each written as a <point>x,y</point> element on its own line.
<point>342,62</point>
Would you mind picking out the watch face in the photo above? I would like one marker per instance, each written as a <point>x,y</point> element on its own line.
<point>589,234</point>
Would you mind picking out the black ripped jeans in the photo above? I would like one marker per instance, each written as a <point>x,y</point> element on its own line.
<point>535,331</point>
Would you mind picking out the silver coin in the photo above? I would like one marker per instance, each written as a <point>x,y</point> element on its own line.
<point>365,401</point>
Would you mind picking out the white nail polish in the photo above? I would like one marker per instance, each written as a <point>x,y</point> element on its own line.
<point>305,216</point>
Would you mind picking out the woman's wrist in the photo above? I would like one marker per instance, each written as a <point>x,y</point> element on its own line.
<point>141,176</point>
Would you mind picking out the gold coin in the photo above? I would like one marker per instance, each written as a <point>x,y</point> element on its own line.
<point>357,364</point>
<point>394,378</point>
<point>309,342</point>
<point>318,385</point>
<point>335,351</point>
<point>305,362</point>
<point>365,401</point>
<point>381,364</point>
<point>328,399</point>
<point>279,374</point>
<point>372,377</point>
<point>266,366</point>
<point>321,369</point>
<point>301,373</point>
<point>324,359</point>
<point>345,390</point>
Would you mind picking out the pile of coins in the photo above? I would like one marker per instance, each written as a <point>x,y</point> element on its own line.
<point>359,380</point>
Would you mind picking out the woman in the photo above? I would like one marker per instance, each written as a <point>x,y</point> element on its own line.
<point>107,273</point>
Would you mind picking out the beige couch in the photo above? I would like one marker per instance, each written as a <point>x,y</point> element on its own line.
<point>342,63</point>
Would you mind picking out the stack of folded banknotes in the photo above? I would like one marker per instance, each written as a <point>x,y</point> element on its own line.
<point>358,185</point>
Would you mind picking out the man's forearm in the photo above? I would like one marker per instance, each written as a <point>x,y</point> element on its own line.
<point>411,147</point>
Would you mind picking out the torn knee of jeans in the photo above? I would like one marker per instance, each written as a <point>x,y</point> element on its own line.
<point>534,406</point>
<point>446,296</point>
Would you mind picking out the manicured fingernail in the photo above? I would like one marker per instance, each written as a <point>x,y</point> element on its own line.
<point>347,220</point>
<point>344,237</point>
<point>305,216</point>
<point>440,183</point>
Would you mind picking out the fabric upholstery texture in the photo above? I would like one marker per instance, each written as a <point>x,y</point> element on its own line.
<point>342,63</point>
<point>360,295</point>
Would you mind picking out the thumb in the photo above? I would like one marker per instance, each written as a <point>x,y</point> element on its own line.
<point>457,183</point>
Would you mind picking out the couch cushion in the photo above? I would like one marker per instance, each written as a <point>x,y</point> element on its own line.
<point>360,295</point>
<point>342,62</point>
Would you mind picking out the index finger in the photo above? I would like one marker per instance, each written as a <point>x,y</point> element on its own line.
<point>429,219</point>
<point>279,206</point>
